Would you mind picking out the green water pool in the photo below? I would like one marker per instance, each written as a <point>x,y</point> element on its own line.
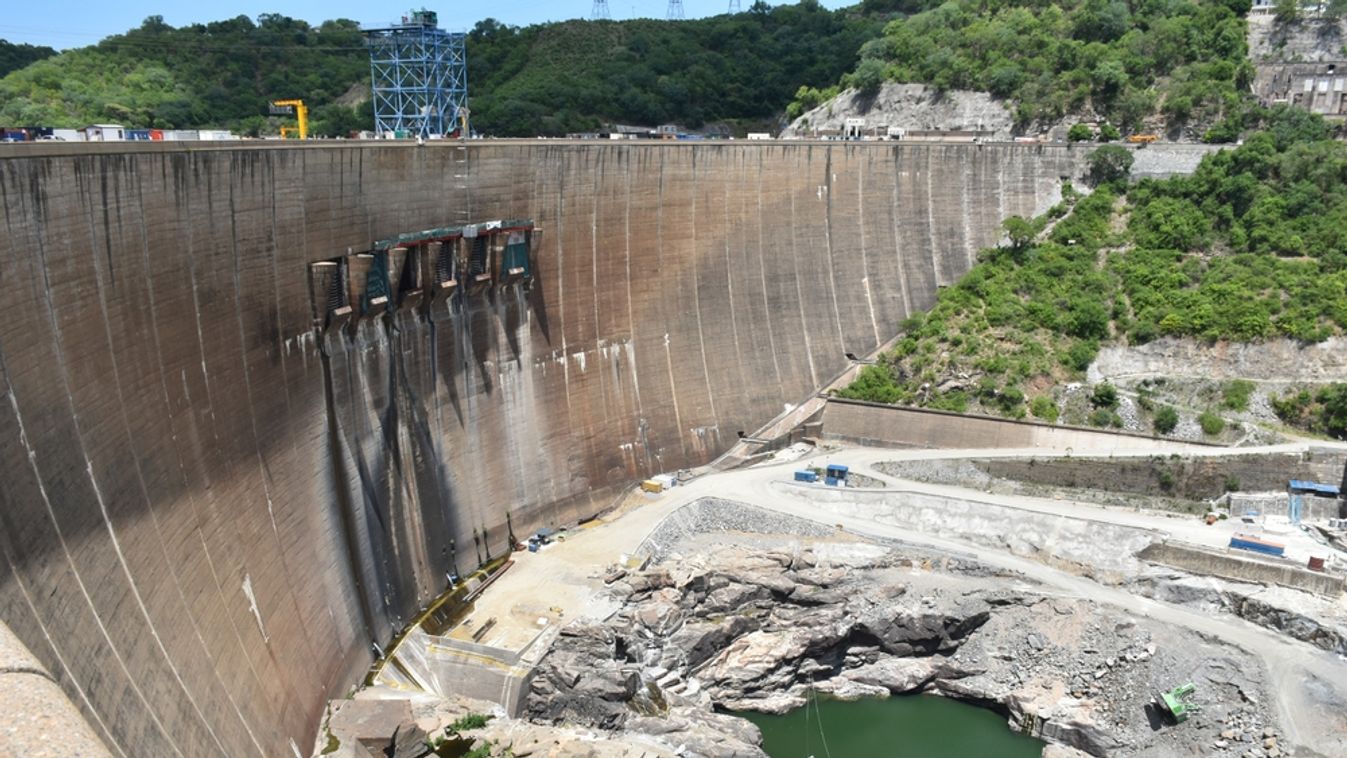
<point>915,726</point>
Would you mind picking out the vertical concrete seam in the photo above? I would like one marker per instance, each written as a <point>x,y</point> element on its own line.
<point>263,468</point>
<point>101,292</point>
<point>830,179</point>
<point>697,296</point>
<point>51,512</point>
<point>744,382</point>
<point>865,261</point>
<point>140,474</point>
<point>209,408</point>
<point>931,250</point>
<point>70,679</point>
<point>668,353</point>
<point>799,302</point>
<point>762,273</point>
<point>903,286</point>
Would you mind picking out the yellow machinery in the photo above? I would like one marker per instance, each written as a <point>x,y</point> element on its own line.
<point>1142,139</point>
<point>301,113</point>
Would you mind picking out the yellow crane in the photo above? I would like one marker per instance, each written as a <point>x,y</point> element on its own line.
<point>301,113</point>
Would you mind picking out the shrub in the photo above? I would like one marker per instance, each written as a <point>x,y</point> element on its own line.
<point>1044,407</point>
<point>1079,133</point>
<point>1235,394</point>
<point>469,721</point>
<point>1166,478</point>
<point>1165,420</point>
<point>1109,133</point>
<point>1081,355</point>
<point>1102,417</point>
<point>1105,395</point>
<point>950,401</point>
<point>1211,424</point>
<point>1010,398</point>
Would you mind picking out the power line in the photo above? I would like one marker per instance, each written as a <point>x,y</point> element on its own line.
<point>735,7</point>
<point>600,11</point>
<point>675,10</point>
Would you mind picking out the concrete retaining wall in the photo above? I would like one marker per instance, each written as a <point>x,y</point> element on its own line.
<point>1192,478</point>
<point>894,426</point>
<point>204,525</point>
<point>1104,551</point>
<point>1201,561</point>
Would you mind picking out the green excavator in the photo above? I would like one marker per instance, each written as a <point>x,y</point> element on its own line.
<point>1176,704</point>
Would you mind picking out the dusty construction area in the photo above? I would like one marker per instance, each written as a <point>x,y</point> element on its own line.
<point>744,589</point>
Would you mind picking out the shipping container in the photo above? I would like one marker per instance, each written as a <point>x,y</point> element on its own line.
<point>806,476</point>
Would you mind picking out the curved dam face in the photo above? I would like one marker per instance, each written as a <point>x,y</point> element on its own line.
<point>209,510</point>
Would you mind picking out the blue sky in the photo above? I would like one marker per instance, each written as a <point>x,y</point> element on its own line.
<point>62,24</point>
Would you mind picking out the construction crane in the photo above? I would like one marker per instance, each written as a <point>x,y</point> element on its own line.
<point>301,113</point>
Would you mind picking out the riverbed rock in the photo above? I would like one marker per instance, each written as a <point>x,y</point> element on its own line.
<point>897,675</point>
<point>904,630</point>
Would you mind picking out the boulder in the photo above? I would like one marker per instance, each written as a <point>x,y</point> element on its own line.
<point>904,630</point>
<point>897,675</point>
<point>409,741</point>
<point>700,640</point>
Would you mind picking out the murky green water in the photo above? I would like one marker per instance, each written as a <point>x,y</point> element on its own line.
<point>921,726</point>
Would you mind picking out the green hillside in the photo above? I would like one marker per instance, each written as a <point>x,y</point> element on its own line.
<point>545,79</point>
<point>14,57</point>
<point>1127,62</point>
<point>1251,246</point>
<point>572,76</point>
<point>217,74</point>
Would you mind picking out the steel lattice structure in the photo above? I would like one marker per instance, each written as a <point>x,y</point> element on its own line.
<point>419,73</point>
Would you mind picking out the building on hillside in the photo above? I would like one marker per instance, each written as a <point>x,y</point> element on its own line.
<point>1317,87</point>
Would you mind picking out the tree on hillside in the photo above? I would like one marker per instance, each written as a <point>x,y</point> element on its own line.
<point>1109,163</point>
<point>1286,11</point>
<point>14,57</point>
<point>868,76</point>
<point>1019,231</point>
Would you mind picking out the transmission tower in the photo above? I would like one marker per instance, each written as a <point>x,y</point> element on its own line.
<point>419,74</point>
<point>675,10</point>
<point>600,11</point>
<point>735,7</point>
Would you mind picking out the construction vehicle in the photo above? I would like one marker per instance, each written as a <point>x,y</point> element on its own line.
<point>279,107</point>
<point>1176,705</point>
<point>1142,139</point>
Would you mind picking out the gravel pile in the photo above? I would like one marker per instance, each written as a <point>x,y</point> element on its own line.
<point>711,515</point>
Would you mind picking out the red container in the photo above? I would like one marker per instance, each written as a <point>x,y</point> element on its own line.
<point>1316,564</point>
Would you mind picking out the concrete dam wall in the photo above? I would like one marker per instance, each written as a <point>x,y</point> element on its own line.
<point>208,511</point>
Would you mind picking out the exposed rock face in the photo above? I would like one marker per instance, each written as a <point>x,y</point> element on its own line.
<point>755,630</point>
<point>910,106</point>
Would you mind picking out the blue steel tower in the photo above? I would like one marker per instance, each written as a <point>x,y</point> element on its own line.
<point>420,76</point>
